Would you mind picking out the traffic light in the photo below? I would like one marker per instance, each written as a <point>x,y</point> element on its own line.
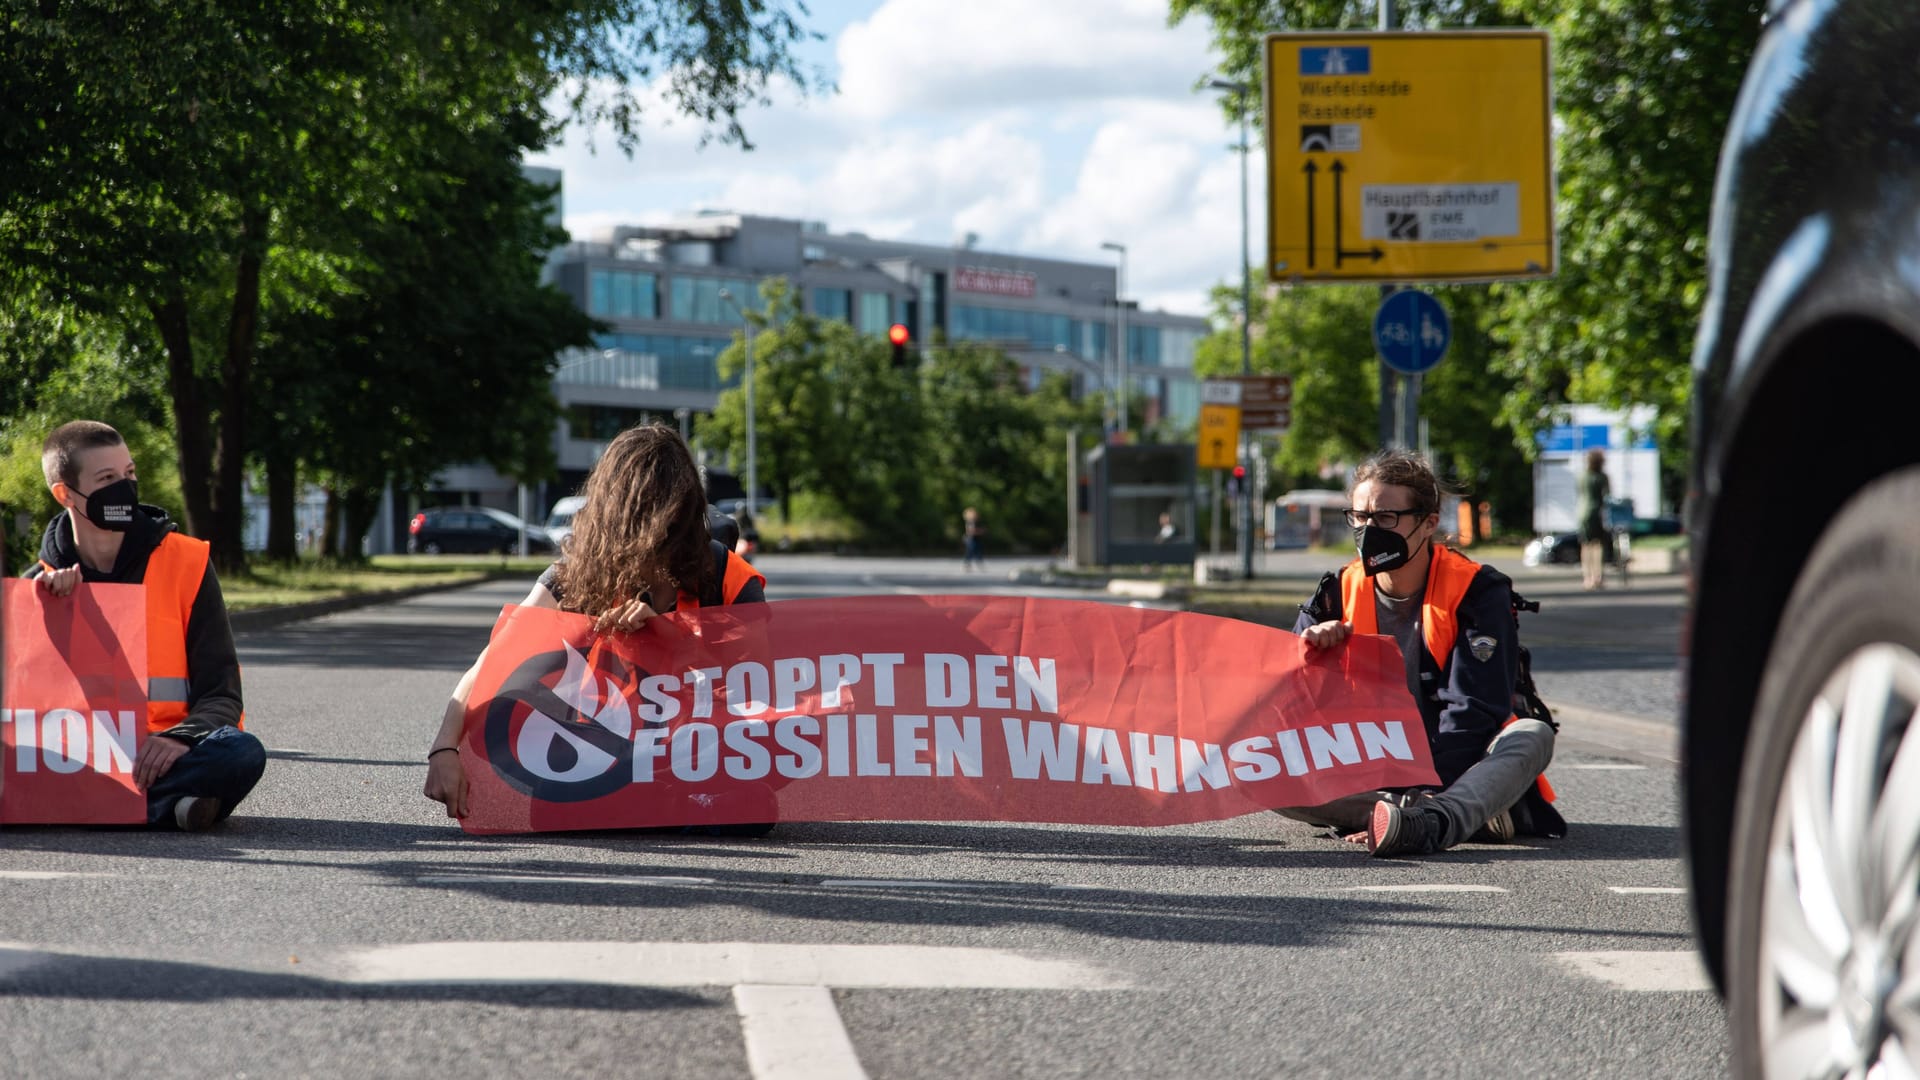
<point>1237,481</point>
<point>899,336</point>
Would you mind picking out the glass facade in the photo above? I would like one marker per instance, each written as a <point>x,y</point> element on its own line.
<point>693,299</point>
<point>622,294</point>
<point>876,312</point>
<point>1038,329</point>
<point>833,304</point>
<point>1143,346</point>
<point>646,362</point>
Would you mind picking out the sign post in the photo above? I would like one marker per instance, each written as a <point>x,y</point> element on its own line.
<point>1409,156</point>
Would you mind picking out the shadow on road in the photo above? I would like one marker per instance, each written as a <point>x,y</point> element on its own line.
<point>32,973</point>
<point>429,646</point>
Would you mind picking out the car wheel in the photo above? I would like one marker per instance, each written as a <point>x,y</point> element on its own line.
<point>431,547</point>
<point>1823,958</point>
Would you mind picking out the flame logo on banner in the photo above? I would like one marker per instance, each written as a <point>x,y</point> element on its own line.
<point>560,729</point>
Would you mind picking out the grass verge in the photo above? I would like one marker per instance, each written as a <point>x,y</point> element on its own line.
<point>278,584</point>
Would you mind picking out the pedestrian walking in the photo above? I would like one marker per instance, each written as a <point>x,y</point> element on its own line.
<point>1591,508</point>
<point>973,533</point>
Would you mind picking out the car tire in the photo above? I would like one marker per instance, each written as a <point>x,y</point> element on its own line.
<point>1826,831</point>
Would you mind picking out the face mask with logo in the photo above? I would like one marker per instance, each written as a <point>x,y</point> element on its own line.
<point>114,506</point>
<point>1381,550</point>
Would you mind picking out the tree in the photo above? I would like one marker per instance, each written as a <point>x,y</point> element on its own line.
<point>832,416</point>
<point>1642,93</point>
<point>166,152</point>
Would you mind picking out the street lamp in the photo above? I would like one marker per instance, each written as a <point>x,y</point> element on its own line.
<point>1120,331</point>
<point>753,473</point>
<point>1242,90</point>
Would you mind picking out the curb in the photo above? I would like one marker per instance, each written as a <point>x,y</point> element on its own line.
<point>257,619</point>
<point>1636,737</point>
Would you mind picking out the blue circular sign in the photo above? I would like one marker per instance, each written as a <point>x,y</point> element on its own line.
<point>1411,332</point>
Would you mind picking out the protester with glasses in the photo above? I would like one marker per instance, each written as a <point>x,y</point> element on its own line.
<point>1453,619</point>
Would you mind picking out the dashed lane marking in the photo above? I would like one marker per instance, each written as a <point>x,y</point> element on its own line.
<point>1436,887</point>
<point>680,964</point>
<point>795,1033</point>
<point>1647,890</point>
<point>1643,972</point>
<point>46,875</point>
<point>907,883</point>
<point>557,879</point>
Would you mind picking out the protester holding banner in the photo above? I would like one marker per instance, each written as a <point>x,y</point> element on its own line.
<point>1453,619</point>
<point>640,547</point>
<point>196,763</point>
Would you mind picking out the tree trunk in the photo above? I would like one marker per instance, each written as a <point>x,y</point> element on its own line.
<point>362,507</point>
<point>229,551</point>
<point>283,485</point>
<point>192,432</point>
<point>330,529</point>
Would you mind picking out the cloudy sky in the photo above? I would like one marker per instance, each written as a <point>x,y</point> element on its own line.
<point>1044,126</point>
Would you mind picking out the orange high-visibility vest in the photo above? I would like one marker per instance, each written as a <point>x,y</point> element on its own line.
<point>174,572</point>
<point>739,573</point>
<point>1447,580</point>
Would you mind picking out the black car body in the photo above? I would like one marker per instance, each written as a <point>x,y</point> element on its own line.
<point>1804,521</point>
<point>471,529</point>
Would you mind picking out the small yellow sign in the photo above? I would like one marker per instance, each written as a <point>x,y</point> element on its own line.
<point>1396,156</point>
<point>1219,436</point>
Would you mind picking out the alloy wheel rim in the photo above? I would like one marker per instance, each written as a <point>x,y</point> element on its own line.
<point>1839,953</point>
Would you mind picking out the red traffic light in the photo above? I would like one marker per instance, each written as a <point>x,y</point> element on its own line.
<point>1239,472</point>
<point>897,333</point>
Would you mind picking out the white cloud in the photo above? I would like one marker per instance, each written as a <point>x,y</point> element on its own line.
<point>915,56</point>
<point>1046,128</point>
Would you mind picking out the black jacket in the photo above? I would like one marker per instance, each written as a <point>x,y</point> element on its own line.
<point>1464,698</point>
<point>213,669</point>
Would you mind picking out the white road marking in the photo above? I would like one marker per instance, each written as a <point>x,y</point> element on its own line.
<point>46,875</point>
<point>664,964</point>
<point>1606,767</point>
<point>1434,888</point>
<point>795,1033</point>
<point>1646,972</point>
<point>908,883</point>
<point>1646,890</point>
<point>557,879</point>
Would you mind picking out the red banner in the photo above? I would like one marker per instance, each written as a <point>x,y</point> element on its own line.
<point>74,708</point>
<point>926,708</point>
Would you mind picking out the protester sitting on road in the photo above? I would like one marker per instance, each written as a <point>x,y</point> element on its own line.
<point>1454,621</point>
<point>640,547</point>
<point>196,763</point>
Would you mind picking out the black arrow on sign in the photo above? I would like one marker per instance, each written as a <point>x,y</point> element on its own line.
<point>1313,173</point>
<point>1340,252</point>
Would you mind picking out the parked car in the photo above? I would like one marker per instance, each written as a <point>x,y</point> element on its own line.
<point>453,529</point>
<point>560,519</point>
<point>1801,747</point>
<point>1551,548</point>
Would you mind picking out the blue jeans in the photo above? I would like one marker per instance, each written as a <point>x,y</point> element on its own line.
<point>225,765</point>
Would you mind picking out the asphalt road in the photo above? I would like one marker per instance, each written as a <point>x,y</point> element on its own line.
<point>340,926</point>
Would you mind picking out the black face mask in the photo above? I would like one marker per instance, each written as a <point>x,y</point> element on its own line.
<point>114,506</point>
<point>1381,550</point>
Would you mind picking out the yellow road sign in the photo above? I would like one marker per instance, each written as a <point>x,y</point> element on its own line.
<point>1219,436</point>
<point>1409,156</point>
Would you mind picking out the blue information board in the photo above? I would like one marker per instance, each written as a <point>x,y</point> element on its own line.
<point>1411,331</point>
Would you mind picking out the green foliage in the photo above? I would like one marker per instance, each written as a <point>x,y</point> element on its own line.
<point>161,157</point>
<point>898,453</point>
<point>1642,93</point>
